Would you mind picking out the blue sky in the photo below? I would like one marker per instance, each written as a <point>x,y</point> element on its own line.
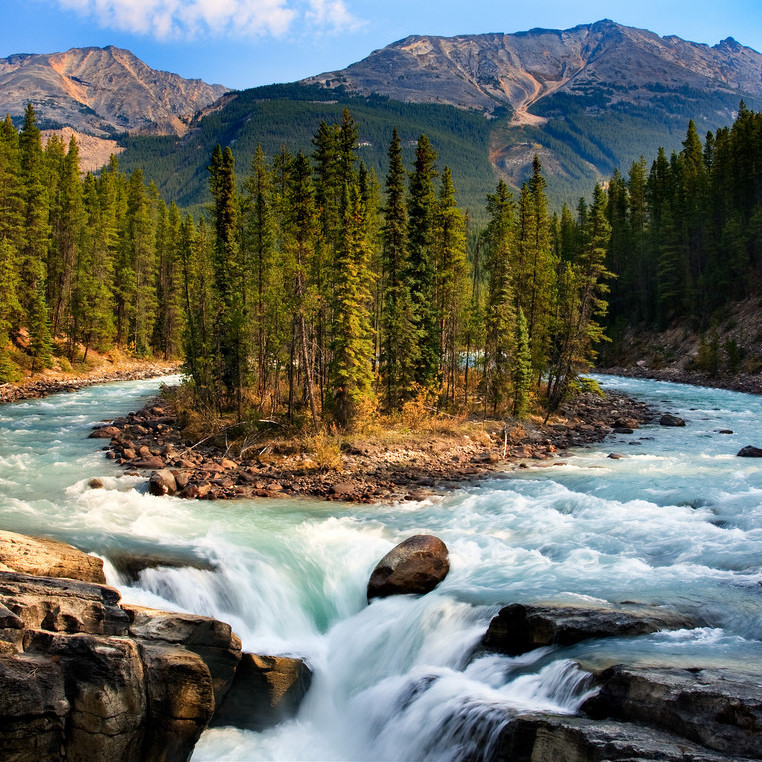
<point>243,43</point>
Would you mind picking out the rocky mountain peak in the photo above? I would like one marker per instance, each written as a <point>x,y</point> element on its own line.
<point>101,92</point>
<point>487,71</point>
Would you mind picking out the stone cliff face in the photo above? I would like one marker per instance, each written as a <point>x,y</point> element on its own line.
<point>102,91</point>
<point>486,71</point>
<point>85,677</point>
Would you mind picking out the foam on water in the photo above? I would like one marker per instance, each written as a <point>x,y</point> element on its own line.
<point>678,522</point>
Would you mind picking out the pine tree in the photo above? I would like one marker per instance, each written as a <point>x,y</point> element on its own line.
<point>522,372</point>
<point>232,336</point>
<point>422,263</point>
<point>583,302</point>
<point>67,220</point>
<point>399,334</point>
<point>351,376</point>
<point>259,242</point>
<point>9,306</point>
<point>500,313</point>
<point>92,301</point>
<point>452,274</point>
<point>299,244</point>
<point>540,269</point>
<point>35,243</point>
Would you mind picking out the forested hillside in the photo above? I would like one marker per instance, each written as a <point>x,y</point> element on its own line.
<point>686,237</point>
<point>585,100</point>
<point>289,115</point>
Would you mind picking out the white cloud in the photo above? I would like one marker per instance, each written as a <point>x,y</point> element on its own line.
<point>194,18</point>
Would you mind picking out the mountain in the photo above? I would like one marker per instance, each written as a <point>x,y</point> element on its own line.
<point>587,100</point>
<point>101,92</point>
<point>489,71</point>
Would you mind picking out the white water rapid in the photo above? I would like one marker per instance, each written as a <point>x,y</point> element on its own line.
<point>677,521</point>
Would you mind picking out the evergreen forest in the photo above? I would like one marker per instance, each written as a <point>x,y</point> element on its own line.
<point>310,289</point>
<point>313,291</point>
<point>686,232</point>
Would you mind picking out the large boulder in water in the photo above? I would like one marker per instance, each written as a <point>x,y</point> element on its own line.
<point>416,565</point>
<point>671,420</point>
<point>162,482</point>
<point>749,452</point>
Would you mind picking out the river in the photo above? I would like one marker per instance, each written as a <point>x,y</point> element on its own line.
<point>678,521</point>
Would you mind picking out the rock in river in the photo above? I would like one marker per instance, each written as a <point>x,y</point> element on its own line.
<point>720,709</point>
<point>519,628</point>
<point>416,565</point>
<point>749,452</point>
<point>162,482</point>
<point>266,691</point>
<point>671,420</point>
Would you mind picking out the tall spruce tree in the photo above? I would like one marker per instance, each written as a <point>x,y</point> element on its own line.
<point>452,274</point>
<point>422,202</point>
<point>399,332</point>
<point>35,243</point>
<point>351,375</point>
<point>500,314</point>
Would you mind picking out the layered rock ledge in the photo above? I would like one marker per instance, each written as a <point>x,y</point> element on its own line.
<point>519,628</point>
<point>83,677</point>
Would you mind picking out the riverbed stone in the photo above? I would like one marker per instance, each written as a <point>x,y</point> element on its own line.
<point>150,463</point>
<point>721,709</point>
<point>105,432</point>
<point>105,688</point>
<point>266,690</point>
<point>671,420</point>
<point>63,605</point>
<point>33,708</point>
<point>417,565</point>
<point>519,628</point>
<point>180,701</point>
<point>162,482</point>
<point>749,452</point>
<point>48,558</point>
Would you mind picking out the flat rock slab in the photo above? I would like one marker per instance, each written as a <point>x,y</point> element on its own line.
<point>63,605</point>
<point>48,558</point>
<point>720,709</point>
<point>519,628</point>
<point>549,738</point>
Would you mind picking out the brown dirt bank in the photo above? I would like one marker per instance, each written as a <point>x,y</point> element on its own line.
<point>52,382</point>
<point>380,468</point>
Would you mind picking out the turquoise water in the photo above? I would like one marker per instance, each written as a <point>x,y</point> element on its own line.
<point>677,521</point>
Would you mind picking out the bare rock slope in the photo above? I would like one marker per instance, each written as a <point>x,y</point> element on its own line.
<point>101,92</point>
<point>486,71</point>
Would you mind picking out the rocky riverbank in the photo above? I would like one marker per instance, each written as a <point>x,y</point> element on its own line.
<point>54,383</point>
<point>150,441</point>
<point>85,677</point>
